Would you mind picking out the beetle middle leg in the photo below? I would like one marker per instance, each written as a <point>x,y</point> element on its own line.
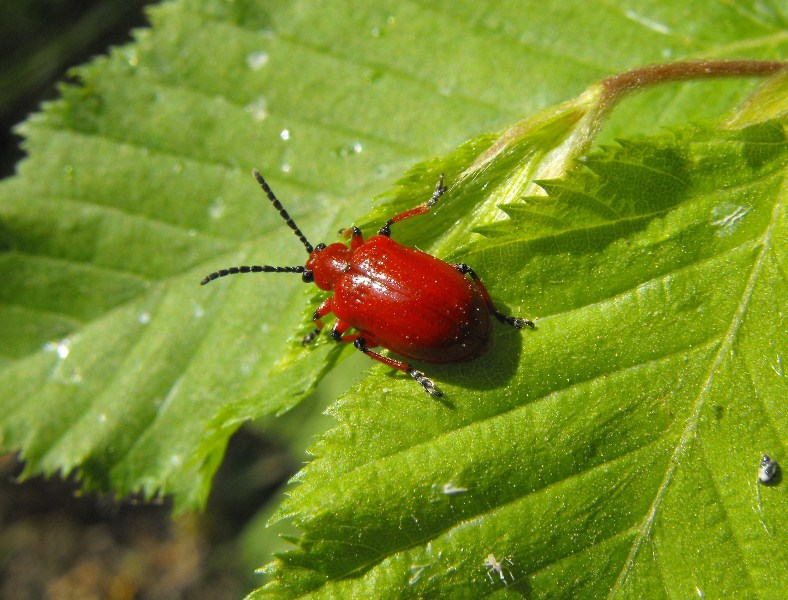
<point>440,189</point>
<point>515,322</point>
<point>361,344</point>
<point>326,307</point>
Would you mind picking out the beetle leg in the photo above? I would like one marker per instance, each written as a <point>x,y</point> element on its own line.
<point>338,331</point>
<point>361,344</point>
<point>440,189</point>
<point>355,235</point>
<point>515,322</point>
<point>326,307</point>
<point>357,239</point>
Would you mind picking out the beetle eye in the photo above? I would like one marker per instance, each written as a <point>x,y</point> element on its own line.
<point>308,276</point>
<point>320,247</point>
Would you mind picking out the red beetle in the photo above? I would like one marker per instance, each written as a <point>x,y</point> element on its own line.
<point>395,297</point>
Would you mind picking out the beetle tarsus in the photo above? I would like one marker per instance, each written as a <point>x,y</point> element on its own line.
<point>516,322</point>
<point>426,383</point>
<point>309,337</point>
<point>440,189</point>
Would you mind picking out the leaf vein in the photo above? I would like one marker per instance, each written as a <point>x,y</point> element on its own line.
<point>726,348</point>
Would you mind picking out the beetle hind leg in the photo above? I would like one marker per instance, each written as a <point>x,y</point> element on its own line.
<point>516,322</point>
<point>429,386</point>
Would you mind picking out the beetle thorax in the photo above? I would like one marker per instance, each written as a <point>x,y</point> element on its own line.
<point>328,264</point>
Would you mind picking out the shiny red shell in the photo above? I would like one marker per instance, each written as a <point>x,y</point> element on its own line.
<point>389,295</point>
<point>404,300</point>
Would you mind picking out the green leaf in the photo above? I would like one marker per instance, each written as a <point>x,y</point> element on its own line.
<point>614,450</point>
<point>113,362</point>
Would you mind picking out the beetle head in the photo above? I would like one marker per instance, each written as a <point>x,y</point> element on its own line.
<point>326,264</point>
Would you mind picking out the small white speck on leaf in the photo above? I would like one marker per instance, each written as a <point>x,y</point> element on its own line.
<point>450,489</point>
<point>257,60</point>
<point>727,217</point>
<point>768,469</point>
<point>494,566</point>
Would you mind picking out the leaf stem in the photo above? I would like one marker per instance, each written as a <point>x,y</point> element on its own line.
<point>617,86</point>
<point>551,141</point>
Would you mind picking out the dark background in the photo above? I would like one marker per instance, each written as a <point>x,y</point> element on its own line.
<point>39,41</point>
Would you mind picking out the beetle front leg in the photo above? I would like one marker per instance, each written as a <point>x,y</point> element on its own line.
<point>515,322</point>
<point>440,189</point>
<point>361,344</point>
<point>326,307</point>
<point>356,237</point>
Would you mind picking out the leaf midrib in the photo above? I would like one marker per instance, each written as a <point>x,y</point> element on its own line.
<point>692,423</point>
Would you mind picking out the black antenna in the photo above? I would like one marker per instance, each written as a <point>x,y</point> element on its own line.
<point>278,206</point>
<point>254,269</point>
<point>266,268</point>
